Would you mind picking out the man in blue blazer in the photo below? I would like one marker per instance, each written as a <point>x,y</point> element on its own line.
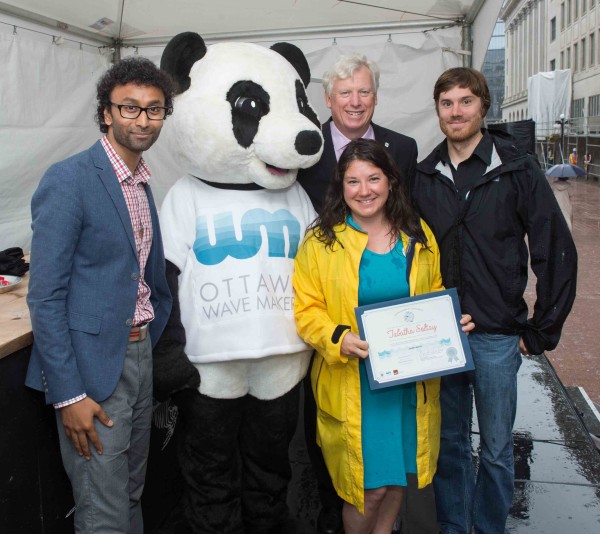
<point>351,94</point>
<point>99,299</point>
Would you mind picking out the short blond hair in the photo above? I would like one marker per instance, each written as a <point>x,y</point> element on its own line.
<point>345,67</point>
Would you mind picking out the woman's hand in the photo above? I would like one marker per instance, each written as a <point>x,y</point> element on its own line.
<point>354,347</point>
<point>467,323</point>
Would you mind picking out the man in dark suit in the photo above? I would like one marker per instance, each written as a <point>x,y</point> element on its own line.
<point>99,298</point>
<point>351,95</point>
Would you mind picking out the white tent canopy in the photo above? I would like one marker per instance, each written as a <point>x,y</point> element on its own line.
<point>137,22</point>
<point>52,53</point>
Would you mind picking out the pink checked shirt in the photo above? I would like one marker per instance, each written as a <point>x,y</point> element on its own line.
<point>139,211</point>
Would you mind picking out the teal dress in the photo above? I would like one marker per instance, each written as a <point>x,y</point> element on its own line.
<point>388,415</point>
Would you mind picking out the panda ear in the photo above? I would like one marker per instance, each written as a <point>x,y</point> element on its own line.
<point>296,57</point>
<point>179,56</point>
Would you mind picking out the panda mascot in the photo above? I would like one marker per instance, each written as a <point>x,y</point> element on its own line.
<point>230,357</point>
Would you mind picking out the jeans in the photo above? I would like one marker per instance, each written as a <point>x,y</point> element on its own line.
<point>465,501</point>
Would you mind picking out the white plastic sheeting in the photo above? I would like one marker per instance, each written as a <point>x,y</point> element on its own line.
<point>47,104</point>
<point>549,97</point>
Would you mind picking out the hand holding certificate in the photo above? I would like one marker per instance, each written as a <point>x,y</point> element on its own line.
<point>414,338</point>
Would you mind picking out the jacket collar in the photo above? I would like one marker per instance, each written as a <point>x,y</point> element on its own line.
<point>108,177</point>
<point>496,161</point>
<point>504,154</point>
<point>409,244</point>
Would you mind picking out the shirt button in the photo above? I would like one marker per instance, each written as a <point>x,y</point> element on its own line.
<point>129,322</point>
<point>134,276</point>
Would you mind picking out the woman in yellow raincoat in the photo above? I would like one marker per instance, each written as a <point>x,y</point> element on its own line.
<point>368,245</point>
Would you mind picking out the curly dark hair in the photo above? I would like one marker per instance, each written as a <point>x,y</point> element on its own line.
<point>399,212</point>
<point>138,70</point>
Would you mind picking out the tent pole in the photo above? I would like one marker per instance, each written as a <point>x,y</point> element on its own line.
<point>117,47</point>
<point>467,44</point>
<point>290,33</point>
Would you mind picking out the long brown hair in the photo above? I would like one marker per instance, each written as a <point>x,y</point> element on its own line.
<point>399,212</point>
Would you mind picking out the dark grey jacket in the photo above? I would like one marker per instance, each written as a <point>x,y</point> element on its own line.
<point>484,254</point>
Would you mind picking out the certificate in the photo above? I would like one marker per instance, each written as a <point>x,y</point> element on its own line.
<point>414,338</point>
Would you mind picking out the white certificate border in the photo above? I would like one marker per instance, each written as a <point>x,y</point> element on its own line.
<point>408,302</point>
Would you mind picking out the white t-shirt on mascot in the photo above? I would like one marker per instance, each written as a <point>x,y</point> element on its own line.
<point>235,288</point>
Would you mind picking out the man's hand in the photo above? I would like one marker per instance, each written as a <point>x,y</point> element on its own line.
<point>467,323</point>
<point>354,347</point>
<point>78,421</point>
<point>523,348</point>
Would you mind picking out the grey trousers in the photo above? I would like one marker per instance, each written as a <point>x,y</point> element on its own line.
<point>107,489</point>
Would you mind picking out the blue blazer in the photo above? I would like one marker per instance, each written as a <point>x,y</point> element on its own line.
<point>315,180</point>
<point>84,279</point>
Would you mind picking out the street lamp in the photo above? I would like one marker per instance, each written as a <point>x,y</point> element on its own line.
<point>561,122</point>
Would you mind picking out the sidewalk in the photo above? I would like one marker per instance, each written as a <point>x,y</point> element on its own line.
<point>577,356</point>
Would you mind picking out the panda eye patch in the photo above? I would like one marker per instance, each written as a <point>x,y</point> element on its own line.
<point>248,105</point>
<point>303,105</point>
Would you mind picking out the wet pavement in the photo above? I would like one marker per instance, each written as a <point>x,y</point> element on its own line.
<point>557,468</point>
<point>557,487</point>
<point>577,356</point>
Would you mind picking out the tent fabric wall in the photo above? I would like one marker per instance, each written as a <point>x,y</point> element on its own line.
<point>47,98</point>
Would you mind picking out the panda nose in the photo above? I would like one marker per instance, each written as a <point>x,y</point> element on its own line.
<point>308,143</point>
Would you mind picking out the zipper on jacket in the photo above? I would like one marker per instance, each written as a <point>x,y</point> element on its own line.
<point>320,369</point>
<point>409,254</point>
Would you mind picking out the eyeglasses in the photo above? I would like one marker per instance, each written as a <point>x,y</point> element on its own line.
<point>154,113</point>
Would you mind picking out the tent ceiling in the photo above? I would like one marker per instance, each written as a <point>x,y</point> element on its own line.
<point>139,22</point>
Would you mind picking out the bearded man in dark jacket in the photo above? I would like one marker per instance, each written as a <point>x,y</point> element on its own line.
<point>482,195</point>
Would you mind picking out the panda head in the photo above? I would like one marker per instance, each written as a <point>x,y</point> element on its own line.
<point>241,114</point>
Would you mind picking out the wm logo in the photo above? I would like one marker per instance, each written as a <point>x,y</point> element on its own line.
<point>226,243</point>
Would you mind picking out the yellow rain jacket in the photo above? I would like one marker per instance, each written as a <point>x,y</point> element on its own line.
<point>326,285</point>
